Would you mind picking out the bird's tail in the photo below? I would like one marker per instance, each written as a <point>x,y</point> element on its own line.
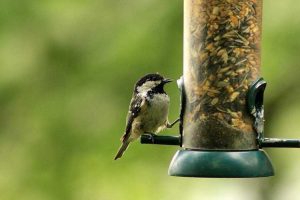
<point>121,150</point>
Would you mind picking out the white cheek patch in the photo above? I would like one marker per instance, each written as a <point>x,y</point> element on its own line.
<point>147,86</point>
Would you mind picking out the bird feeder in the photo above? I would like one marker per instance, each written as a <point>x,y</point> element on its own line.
<point>222,113</point>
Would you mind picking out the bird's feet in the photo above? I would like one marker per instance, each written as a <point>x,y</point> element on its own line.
<point>151,136</point>
<point>172,124</point>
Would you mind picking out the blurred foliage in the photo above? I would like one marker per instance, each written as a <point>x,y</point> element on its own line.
<point>67,69</point>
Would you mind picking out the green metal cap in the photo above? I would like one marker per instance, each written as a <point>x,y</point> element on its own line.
<point>221,164</point>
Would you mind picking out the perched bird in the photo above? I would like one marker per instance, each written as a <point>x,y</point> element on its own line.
<point>148,110</point>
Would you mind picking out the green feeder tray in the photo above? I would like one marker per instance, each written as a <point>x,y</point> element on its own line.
<point>221,164</point>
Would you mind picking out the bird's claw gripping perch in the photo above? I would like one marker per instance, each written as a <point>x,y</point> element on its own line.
<point>173,123</point>
<point>150,137</point>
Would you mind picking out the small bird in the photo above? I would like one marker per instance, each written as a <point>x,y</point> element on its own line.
<point>148,110</point>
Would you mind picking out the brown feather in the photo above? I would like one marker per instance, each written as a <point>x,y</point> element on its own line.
<point>121,150</point>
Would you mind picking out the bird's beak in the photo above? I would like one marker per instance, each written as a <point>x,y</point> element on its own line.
<point>167,80</point>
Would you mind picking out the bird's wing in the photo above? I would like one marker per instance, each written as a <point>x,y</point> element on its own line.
<point>134,108</point>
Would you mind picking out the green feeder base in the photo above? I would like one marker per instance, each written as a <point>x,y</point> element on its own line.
<point>221,164</point>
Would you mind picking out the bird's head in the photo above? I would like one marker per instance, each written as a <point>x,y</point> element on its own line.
<point>151,82</point>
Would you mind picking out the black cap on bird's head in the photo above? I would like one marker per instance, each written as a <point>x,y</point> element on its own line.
<point>151,81</point>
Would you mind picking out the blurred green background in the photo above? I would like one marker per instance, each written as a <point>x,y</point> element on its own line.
<point>67,70</point>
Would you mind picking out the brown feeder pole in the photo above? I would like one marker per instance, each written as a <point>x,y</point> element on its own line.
<point>221,60</point>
